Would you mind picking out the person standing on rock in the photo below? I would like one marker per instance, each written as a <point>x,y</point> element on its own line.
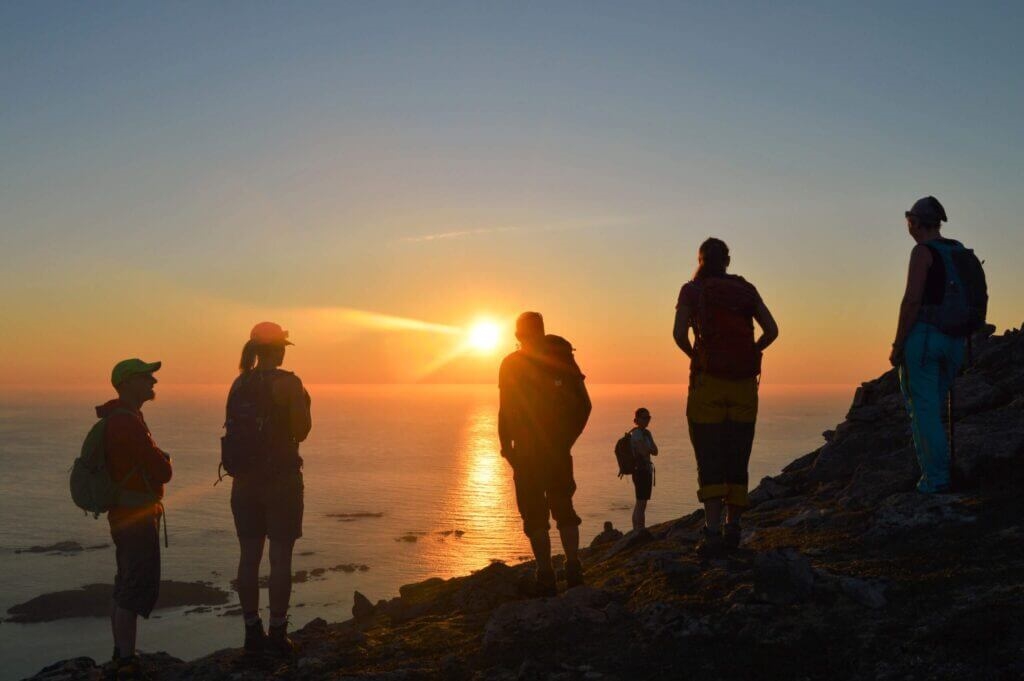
<point>944,301</point>
<point>643,475</point>
<point>544,407</point>
<point>725,363</point>
<point>268,415</point>
<point>142,469</point>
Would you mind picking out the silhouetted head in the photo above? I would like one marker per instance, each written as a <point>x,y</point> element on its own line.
<point>925,218</point>
<point>530,329</point>
<point>608,526</point>
<point>265,347</point>
<point>642,417</point>
<point>133,380</point>
<point>712,259</point>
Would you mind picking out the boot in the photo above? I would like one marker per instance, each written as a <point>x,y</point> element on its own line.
<point>255,637</point>
<point>278,641</point>
<point>544,586</point>
<point>731,536</point>
<point>711,545</point>
<point>573,573</point>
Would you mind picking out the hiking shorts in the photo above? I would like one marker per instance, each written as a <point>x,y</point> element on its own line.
<point>268,506</point>
<point>721,414</point>
<point>643,483</point>
<point>545,486</point>
<point>137,551</point>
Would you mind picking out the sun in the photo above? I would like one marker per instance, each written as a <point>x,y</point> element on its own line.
<point>483,336</point>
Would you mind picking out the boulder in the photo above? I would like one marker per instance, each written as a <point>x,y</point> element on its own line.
<point>362,608</point>
<point>782,577</point>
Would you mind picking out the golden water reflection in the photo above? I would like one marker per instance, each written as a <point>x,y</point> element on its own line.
<point>483,502</point>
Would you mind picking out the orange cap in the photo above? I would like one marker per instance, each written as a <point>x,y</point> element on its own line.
<point>269,333</point>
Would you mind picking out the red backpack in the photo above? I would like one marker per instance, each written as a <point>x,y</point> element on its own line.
<point>724,326</point>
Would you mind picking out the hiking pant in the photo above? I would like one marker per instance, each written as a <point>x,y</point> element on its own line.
<point>721,414</point>
<point>931,360</point>
<point>544,488</point>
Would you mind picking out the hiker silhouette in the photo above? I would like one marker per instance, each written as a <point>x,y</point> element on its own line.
<point>725,365</point>
<point>544,406</point>
<point>268,415</point>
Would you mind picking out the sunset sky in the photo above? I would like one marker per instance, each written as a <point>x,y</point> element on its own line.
<point>171,174</point>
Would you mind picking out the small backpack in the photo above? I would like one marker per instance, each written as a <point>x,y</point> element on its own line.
<point>625,456</point>
<point>724,327</point>
<point>567,402</point>
<point>92,488</point>
<point>964,303</point>
<point>246,441</point>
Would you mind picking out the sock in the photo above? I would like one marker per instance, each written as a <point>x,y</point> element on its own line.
<point>278,621</point>
<point>252,618</point>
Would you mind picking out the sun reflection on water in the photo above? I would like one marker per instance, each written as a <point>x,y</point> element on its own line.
<point>483,503</point>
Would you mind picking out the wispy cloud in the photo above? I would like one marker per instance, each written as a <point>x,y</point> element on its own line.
<point>455,234</point>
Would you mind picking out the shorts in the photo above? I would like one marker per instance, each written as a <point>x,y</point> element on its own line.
<point>721,414</point>
<point>137,550</point>
<point>268,506</point>
<point>643,483</point>
<point>545,486</point>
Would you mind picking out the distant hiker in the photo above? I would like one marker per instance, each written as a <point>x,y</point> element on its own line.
<point>945,301</point>
<point>721,409</point>
<point>643,474</point>
<point>267,417</point>
<point>138,469</point>
<point>544,408</point>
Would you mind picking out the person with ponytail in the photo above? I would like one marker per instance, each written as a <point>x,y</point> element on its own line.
<point>721,407</point>
<point>268,415</point>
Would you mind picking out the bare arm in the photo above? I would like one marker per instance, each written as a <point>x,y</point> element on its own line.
<point>917,276</point>
<point>769,329</point>
<point>504,427</point>
<point>681,330</point>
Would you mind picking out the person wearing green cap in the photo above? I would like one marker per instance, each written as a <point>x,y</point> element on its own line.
<point>140,466</point>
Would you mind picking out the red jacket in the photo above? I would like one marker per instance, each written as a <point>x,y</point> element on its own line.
<point>128,443</point>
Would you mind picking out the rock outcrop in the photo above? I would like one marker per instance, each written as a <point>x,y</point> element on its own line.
<point>844,572</point>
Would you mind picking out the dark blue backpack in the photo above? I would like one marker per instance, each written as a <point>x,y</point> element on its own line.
<point>246,444</point>
<point>964,303</point>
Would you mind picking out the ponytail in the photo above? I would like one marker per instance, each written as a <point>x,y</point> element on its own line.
<point>714,259</point>
<point>248,361</point>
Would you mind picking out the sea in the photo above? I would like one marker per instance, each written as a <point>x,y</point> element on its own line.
<point>406,480</point>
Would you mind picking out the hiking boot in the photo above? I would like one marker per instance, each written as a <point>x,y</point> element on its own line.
<point>731,536</point>
<point>544,585</point>
<point>129,669</point>
<point>278,642</point>
<point>255,637</point>
<point>573,574</point>
<point>711,545</point>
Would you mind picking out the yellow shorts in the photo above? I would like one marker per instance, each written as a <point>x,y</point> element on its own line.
<point>721,414</point>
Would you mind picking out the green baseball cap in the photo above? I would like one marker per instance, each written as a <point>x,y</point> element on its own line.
<point>127,368</point>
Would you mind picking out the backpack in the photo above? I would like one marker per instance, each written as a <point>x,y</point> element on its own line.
<point>92,488</point>
<point>724,327</point>
<point>246,441</point>
<point>566,404</point>
<point>965,297</point>
<point>625,456</point>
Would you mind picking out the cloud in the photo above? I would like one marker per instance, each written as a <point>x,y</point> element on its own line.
<point>455,234</point>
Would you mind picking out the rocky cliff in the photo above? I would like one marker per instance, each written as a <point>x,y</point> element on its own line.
<point>845,572</point>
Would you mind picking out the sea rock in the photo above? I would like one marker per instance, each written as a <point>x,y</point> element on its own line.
<point>608,535</point>
<point>93,600</point>
<point>362,608</point>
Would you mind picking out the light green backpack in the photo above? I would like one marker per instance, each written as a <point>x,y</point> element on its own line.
<point>92,488</point>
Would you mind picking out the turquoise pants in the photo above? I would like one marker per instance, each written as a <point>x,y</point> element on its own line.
<point>931,360</point>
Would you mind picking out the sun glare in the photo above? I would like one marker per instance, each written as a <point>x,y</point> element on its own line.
<point>483,336</point>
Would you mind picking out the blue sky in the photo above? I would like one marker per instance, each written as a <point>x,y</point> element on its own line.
<point>279,156</point>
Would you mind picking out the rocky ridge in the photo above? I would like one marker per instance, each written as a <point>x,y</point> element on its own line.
<point>845,572</point>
